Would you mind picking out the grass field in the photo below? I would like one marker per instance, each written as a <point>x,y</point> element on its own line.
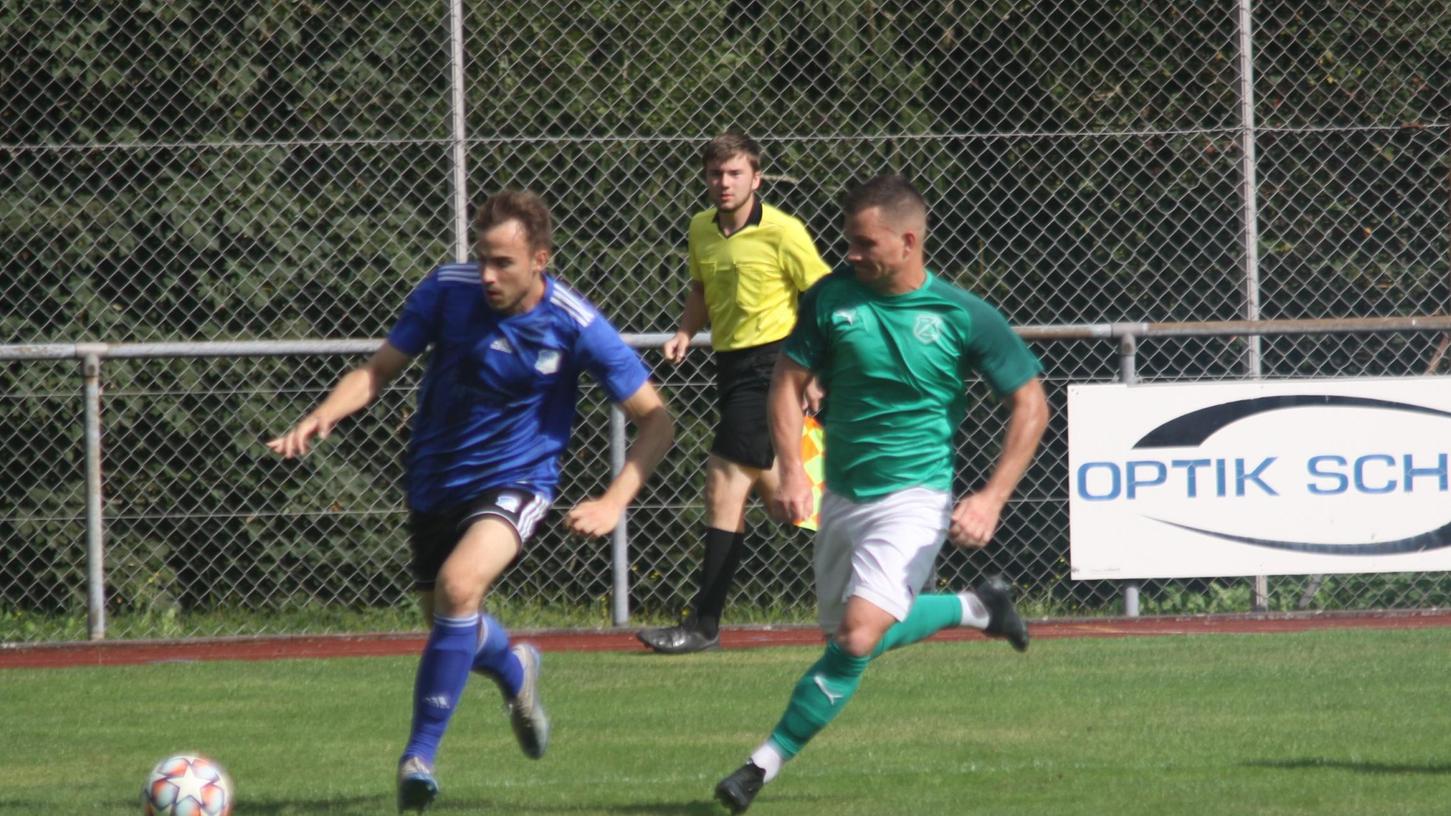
<point>1330,722</point>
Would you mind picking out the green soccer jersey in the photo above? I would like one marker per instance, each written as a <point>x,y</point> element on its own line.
<point>895,369</point>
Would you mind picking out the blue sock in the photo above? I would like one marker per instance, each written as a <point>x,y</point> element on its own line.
<point>494,658</point>
<point>443,671</point>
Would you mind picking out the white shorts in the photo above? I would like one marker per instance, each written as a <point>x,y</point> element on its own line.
<point>881,551</point>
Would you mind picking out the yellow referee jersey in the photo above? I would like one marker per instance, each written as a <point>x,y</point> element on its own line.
<point>752,278</point>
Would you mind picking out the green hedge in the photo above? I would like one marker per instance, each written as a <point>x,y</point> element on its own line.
<point>193,170</point>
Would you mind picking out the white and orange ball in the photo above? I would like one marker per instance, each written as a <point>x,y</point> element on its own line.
<point>187,785</point>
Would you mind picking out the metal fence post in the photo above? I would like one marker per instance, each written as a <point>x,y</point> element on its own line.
<point>620,538</point>
<point>459,125</point>
<point>1128,348</point>
<point>1249,185</point>
<point>95,524</point>
<point>1249,237</point>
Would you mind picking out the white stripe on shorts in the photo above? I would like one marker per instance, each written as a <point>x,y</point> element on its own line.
<point>529,516</point>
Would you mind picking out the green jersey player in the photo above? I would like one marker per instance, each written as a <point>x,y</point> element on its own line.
<point>892,344</point>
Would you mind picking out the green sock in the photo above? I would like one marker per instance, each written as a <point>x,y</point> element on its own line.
<point>822,692</point>
<point>929,615</point>
<point>830,683</point>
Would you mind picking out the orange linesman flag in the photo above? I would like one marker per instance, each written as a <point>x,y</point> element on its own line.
<point>813,457</point>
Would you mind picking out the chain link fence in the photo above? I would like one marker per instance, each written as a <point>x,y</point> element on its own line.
<point>205,171</point>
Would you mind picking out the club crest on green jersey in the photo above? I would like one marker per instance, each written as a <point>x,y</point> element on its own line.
<point>928,328</point>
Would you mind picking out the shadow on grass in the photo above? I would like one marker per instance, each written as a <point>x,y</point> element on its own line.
<point>702,808</point>
<point>254,806</point>
<point>369,804</point>
<point>1359,766</point>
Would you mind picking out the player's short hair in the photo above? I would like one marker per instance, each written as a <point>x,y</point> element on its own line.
<point>898,199</point>
<point>523,206</point>
<point>728,145</point>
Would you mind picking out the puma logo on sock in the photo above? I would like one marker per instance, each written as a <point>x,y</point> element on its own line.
<point>821,684</point>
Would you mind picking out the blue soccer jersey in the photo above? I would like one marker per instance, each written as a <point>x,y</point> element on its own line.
<point>497,401</point>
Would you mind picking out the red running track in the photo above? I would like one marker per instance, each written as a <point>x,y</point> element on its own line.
<point>128,652</point>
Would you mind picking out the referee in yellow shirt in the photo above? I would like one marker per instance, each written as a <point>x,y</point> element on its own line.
<point>748,263</point>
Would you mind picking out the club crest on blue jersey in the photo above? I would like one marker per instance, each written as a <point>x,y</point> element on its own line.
<point>547,362</point>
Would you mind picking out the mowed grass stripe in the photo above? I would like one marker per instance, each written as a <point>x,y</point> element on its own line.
<point>1338,722</point>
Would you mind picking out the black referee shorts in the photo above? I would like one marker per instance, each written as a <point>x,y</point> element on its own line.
<point>742,382</point>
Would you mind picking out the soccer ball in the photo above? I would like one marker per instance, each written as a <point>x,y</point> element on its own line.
<point>187,785</point>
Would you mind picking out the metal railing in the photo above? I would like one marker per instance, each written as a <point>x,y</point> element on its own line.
<point>626,542</point>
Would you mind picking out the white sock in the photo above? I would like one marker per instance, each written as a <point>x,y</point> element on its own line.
<point>768,758</point>
<point>974,614</point>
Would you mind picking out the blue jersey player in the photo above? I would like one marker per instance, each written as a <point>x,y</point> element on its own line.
<point>495,409</point>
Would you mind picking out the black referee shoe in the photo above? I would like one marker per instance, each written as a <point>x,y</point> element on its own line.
<point>737,790</point>
<point>1003,619</point>
<point>679,639</point>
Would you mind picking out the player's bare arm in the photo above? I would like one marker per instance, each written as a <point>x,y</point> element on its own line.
<point>692,319</point>
<point>656,432</point>
<point>975,518</point>
<point>793,500</point>
<point>353,392</point>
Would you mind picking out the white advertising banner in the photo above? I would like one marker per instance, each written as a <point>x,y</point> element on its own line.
<point>1259,478</point>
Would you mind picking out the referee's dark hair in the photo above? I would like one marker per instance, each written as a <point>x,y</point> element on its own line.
<point>730,144</point>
